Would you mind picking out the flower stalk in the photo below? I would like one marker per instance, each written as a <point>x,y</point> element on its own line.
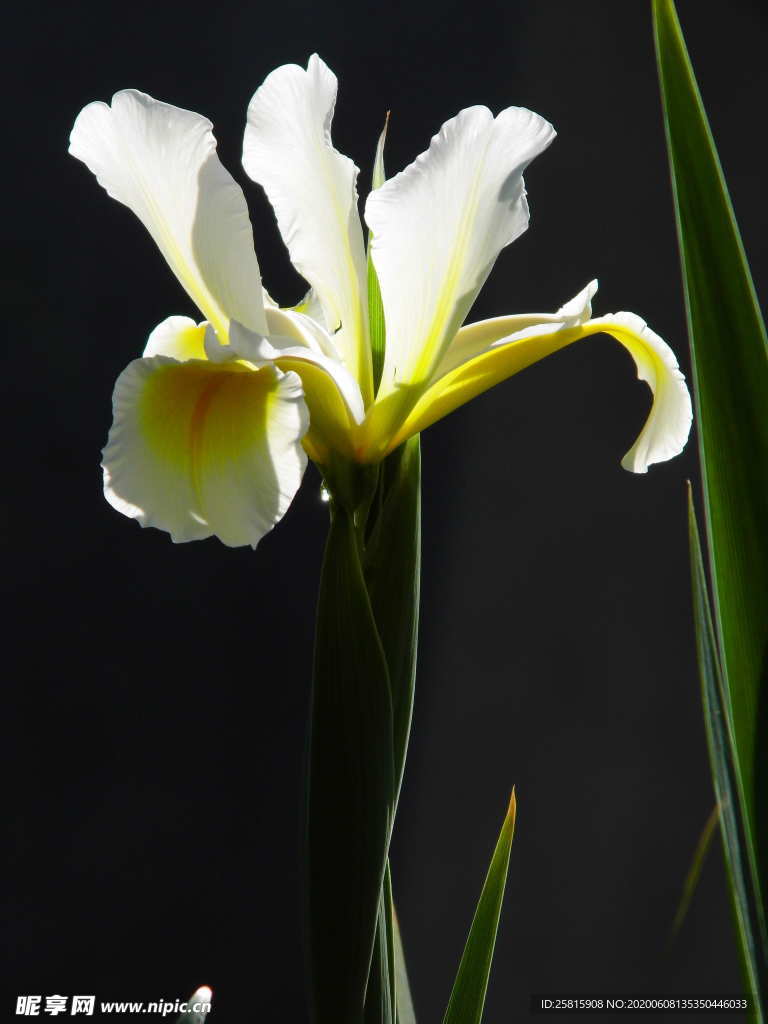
<point>362,699</point>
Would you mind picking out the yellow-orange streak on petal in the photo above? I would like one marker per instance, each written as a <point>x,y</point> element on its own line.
<point>175,405</point>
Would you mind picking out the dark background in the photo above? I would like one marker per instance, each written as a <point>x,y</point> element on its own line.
<point>157,694</point>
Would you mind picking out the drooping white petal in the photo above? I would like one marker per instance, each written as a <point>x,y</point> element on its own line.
<point>199,449</point>
<point>669,423</point>
<point>161,162</point>
<point>485,353</point>
<point>438,227</point>
<point>312,187</point>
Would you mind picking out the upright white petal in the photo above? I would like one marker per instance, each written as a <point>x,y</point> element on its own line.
<point>201,449</point>
<point>312,187</point>
<point>161,162</point>
<point>438,227</point>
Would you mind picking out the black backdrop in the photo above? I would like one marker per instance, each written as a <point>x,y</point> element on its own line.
<point>157,694</point>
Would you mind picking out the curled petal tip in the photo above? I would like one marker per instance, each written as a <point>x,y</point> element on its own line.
<point>668,425</point>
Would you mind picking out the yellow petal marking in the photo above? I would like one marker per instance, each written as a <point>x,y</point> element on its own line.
<point>178,338</point>
<point>466,381</point>
<point>191,342</point>
<point>197,417</point>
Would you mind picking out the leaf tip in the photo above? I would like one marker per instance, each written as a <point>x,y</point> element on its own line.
<point>512,808</point>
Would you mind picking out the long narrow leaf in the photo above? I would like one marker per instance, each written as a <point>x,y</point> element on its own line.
<point>745,900</point>
<point>468,995</point>
<point>381,997</point>
<point>351,788</point>
<point>730,363</point>
<point>694,871</point>
<point>387,914</point>
<point>405,1011</point>
<point>393,573</point>
<point>375,305</point>
<point>379,1005</point>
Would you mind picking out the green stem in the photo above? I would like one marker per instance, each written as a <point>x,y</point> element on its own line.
<point>365,657</point>
<point>351,782</point>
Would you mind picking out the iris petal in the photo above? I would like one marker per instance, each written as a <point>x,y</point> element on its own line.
<point>438,227</point>
<point>161,162</point>
<point>298,344</point>
<point>492,354</point>
<point>312,187</point>
<point>201,449</point>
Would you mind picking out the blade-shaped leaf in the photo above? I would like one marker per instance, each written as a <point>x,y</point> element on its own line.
<point>405,1011</point>
<point>387,914</point>
<point>694,871</point>
<point>379,175</point>
<point>393,572</point>
<point>351,782</point>
<point>468,995</point>
<point>380,998</point>
<point>722,758</point>
<point>375,305</point>
<point>730,365</point>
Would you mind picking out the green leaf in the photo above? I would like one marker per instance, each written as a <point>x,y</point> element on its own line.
<point>730,367</point>
<point>351,781</point>
<point>367,636</point>
<point>380,998</point>
<point>729,353</point>
<point>393,571</point>
<point>375,306</point>
<point>468,995</point>
<point>379,176</point>
<point>387,914</point>
<point>694,871</point>
<point>746,903</point>
<point>391,568</point>
<point>389,961</point>
<point>405,1011</point>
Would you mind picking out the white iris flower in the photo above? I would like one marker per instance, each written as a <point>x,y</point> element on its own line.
<point>213,425</point>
